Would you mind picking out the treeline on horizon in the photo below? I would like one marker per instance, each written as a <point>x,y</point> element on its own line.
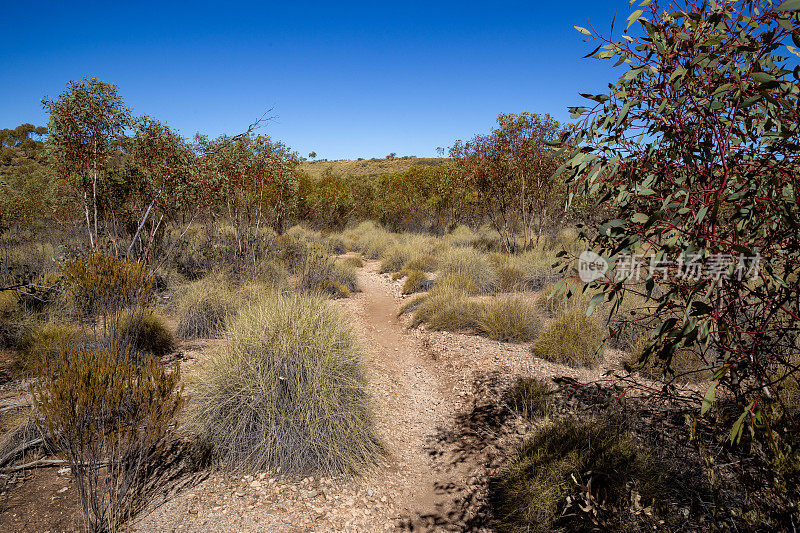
<point>123,180</point>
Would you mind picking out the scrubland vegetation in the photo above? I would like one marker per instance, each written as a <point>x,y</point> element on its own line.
<point>121,241</point>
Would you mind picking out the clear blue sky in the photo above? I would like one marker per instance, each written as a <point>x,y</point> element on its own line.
<point>346,79</point>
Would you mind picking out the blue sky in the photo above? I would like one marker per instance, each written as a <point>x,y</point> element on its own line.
<point>345,80</point>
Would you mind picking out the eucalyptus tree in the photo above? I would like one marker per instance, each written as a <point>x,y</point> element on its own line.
<point>87,122</point>
<point>511,169</point>
<point>697,148</point>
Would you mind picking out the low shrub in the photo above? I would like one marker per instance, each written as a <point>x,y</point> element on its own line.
<point>508,318</point>
<point>579,475</point>
<point>143,331</point>
<point>472,264</point>
<point>415,282</point>
<point>100,284</point>
<point>530,397</point>
<point>14,322</point>
<point>287,389</point>
<point>446,310</point>
<point>570,339</point>
<point>110,417</point>
<point>204,308</point>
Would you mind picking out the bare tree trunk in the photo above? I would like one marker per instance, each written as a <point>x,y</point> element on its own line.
<point>88,221</point>
<point>94,192</point>
<point>144,219</point>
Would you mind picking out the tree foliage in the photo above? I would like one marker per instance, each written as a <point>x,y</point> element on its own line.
<point>696,147</point>
<point>511,169</point>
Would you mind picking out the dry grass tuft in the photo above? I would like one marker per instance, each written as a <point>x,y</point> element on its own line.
<point>560,474</point>
<point>415,282</point>
<point>143,331</point>
<point>286,389</point>
<point>508,318</point>
<point>470,264</point>
<point>570,339</point>
<point>530,397</point>
<point>204,308</point>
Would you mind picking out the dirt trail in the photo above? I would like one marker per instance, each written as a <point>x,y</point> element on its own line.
<point>410,393</point>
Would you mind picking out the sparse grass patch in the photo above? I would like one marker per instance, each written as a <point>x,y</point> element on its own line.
<point>508,318</point>
<point>573,474</point>
<point>204,308</point>
<point>570,339</point>
<point>286,389</point>
<point>530,397</point>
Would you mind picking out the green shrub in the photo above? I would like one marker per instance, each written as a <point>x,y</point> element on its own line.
<point>415,282</point>
<point>530,397</point>
<point>286,389</point>
<point>472,264</point>
<point>570,339</point>
<point>508,318</point>
<point>573,475</point>
<point>143,331</point>
<point>446,310</point>
<point>45,341</point>
<point>204,308</point>
<point>110,416</point>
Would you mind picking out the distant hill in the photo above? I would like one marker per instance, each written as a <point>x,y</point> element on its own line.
<point>368,167</point>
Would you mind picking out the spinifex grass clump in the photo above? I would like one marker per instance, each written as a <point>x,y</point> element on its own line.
<point>576,475</point>
<point>287,389</point>
<point>109,413</point>
<point>530,397</point>
<point>508,318</point>
<point>143,331</point>
<point>471,264</point>
<point>570,339</point>
<point>204,308</point>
